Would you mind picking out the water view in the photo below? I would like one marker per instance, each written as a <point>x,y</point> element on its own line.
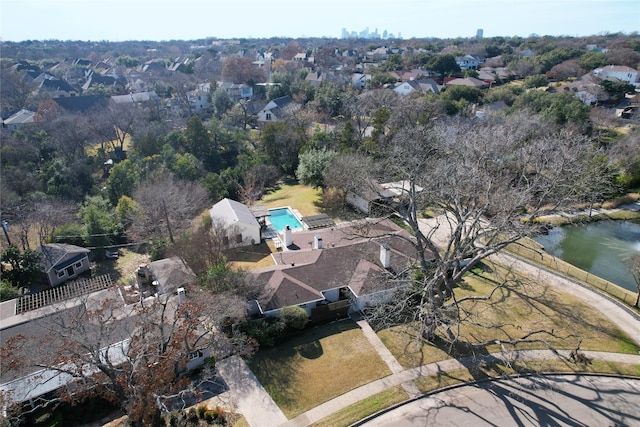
<point>600,248</point>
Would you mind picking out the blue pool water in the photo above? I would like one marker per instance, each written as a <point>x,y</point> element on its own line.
<point>282,217</point>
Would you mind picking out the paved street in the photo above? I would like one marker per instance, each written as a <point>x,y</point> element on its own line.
<point>555,400</point>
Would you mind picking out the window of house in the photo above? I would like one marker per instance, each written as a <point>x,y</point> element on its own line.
<point>239,238</point>
<point>225,240</point>
<point>268,116</point>
<point>78,264</point>
<point>60,274</point>
<point>195,354</point>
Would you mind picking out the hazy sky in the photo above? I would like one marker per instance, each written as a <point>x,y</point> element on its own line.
<point>119,20</point>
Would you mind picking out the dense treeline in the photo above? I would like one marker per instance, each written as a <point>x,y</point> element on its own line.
<point>91,170</point>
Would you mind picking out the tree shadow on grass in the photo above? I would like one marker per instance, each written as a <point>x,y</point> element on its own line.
<point>278,368</point>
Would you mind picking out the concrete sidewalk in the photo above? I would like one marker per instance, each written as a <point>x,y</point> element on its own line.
<point>384,353</point>
<point>378,386</point>
<point>252,400</point>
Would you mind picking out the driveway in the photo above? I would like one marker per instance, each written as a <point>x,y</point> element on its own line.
<point>530,401</point>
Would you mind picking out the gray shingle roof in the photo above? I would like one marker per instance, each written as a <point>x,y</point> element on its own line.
<point>60,255</point>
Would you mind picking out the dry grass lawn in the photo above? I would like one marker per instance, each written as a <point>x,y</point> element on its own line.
<point>463,375</point>
<point>364,408</point>
<point>325,362</point>
<point>522,306</point>
<point>122,269</point>
<point>251,257</point>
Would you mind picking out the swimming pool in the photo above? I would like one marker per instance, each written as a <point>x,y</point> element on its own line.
<point>282,217</point>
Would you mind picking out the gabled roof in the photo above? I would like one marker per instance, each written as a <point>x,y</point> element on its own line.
<point>56,85</point>
<point>152,65</point>
<point>60,255</point>
<point>355,265</point>
<point>315,76</point>
<point>98,79</point>
<point>230,212</point>
<point>171,274</point>
<point>282,101</point>
<point>21,117</point>
<point>82,103</point>
<point>467,81</point>
<point>281,290</point>
<point>428,85</point>
<point>134,98</point>
<point>616,69</point>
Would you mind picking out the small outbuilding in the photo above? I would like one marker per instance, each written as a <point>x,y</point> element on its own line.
<point>61,262</point>
<point>240,224</point>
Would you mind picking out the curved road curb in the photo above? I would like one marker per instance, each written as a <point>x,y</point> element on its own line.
<point>483,381</point>
<point>356,395</point>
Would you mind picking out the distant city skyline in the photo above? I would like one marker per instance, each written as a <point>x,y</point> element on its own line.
<point>120,20</point>
<point>366,34</point>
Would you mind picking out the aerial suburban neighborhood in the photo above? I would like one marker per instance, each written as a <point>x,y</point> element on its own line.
<point>284,231</point>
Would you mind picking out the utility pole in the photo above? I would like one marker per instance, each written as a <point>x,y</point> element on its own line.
<point>166,218</point>
<point>5,225</point>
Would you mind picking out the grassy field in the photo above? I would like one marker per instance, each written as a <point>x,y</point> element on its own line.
<point>325,362</point>
<point>123,268</point>
<point>308,201</point>
<point>305,199</point>
<point>524,305</point>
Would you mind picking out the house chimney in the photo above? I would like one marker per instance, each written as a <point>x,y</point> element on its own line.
<point>287,236</point>
<point>181,294</point>
<point>385,255</point>
<point>317,241</point>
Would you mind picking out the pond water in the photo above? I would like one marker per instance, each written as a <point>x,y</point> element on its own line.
<point>600,248</point>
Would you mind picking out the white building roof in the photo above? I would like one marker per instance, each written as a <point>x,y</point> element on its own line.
<point>230,212</point>
<point>21,117</point>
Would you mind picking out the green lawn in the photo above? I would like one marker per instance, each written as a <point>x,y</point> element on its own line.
<point>305,199</point>
<point>525,305</point>
<point>309,201</point>
<point>323,363</point>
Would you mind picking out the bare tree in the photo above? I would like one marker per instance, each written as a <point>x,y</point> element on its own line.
<point>134,356</point>
<point>633,264</point>
<point>15,90</point>
<point>168,205</point>
<point>180,86</point>
<point>363,107</point>
<point>69,134</point>
<point>489,180</point>
<point>238,69</point>
<point>114,123</point>
<point>44,216</point>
